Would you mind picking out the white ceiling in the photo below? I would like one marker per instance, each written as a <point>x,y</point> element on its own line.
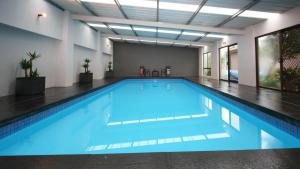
<point>177,17</point>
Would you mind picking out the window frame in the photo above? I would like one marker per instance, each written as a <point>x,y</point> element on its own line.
<point>207,68</point>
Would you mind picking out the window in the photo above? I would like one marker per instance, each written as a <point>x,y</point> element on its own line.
<point>268,61</point>
<point>278,60</point>
<point>207,64</point>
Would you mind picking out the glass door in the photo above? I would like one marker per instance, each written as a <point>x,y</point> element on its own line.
<point>233,63</point>
<point>224,63</point>
<point>229,63</point>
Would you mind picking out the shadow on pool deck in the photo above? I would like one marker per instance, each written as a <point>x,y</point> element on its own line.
<point>287,104</point>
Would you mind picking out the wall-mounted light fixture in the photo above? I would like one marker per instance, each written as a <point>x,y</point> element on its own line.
<point>42,14</point>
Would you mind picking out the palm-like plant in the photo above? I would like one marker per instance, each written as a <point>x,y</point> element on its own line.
<point>25,65</point>
<point>86,65</point>
<point>32,56</point>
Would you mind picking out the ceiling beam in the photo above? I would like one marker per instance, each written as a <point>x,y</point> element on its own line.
<point>196,40</point>
<point>158,24</point>
<point>200,6</point>
<point>95,14</point>
<point>124,15</point>
<point>248,6</point>
<point>203,2</point>
<point>156,39</point>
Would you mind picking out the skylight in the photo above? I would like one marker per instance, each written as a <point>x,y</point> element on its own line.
<point>97,25</point>
<point>216,36</point>
<point>169,31</point>
<point>192,33</point>
<point>144,29</point>
<point>120,27</point>
<point>186,7</point>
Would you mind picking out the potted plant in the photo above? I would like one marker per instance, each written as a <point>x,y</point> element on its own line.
<point>87,76</point>
<point>109,71</point>
<point>32,83</point>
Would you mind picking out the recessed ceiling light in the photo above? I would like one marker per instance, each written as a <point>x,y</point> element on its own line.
<point>168,31</point>
<point>216,36</point>
<point>192,33</point>
<point>218,10</point>
<point>114,38</point>
<point>258,14</point>
<point>150,41</point>
<point>120,27</point>
<point>196,45</point>
<point>97,25</point>
<point>178,6</point>
<point>181,44</point>
<point>164,42</point>
<point>133,40</point>
<point>100,1</point>
<point>144,29</point>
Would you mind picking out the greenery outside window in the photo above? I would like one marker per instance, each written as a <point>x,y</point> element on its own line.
<point>207,64</point>
<point>278,60</point>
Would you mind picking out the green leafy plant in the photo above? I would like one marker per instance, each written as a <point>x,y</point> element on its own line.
<point>291,78</point>
<point>28,64</point>
<point>86,65</point>
<point>109,66</point>
<point>25,65</point>
<point>32,56</point>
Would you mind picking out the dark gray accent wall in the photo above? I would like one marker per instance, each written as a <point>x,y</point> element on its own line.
<point>128,57</point>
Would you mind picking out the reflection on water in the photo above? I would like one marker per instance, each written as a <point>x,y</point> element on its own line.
<point>147,116</point>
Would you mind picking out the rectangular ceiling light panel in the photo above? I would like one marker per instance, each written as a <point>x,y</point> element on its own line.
<point>168,31</point>
<point>97,25</point>
<point>120,27</point>
<point>192,33</point>
<point>144,29</point>
<point>216,36</point>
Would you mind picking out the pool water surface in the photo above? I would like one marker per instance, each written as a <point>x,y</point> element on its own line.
<point>134,116</point>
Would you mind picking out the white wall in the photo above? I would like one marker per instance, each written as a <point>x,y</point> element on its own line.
<point>246,42</point>
<point>81,53</point>
<point>23,14</point>
<point>61,42</point>
<point>84,35</point>
<point>200,53</point>
<point>14,43</point>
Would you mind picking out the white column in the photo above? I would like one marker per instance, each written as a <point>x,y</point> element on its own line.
<point>98,60</point>
<point>65,59</point>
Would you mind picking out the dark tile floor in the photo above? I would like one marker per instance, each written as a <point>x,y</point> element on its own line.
<point>287,104</point>
<point>12,107</point>
<point>262,159</point>
<point>280,104</point>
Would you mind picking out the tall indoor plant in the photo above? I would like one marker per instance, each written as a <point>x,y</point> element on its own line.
<point>32,83</point>
<point>87,76</point>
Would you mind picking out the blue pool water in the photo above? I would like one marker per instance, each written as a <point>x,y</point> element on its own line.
<point>147,116</point>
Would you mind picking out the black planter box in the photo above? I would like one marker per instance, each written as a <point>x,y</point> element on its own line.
<point>85,78</point>
<point>30,86</point>
<point>109,74</point>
